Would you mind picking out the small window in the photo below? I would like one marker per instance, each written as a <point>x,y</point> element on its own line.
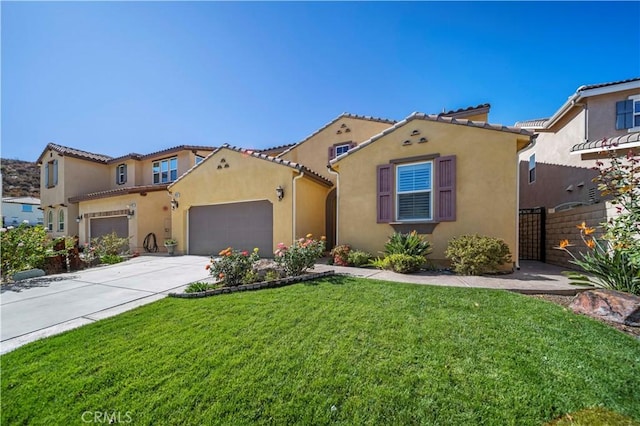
<point>27,208</point>
<point>50,220</point>
<point>199,159</point>
<point>51,174</point>
<point>165,171</point>
<point>61,220</point>
<point>532,168</point>
<point>341,149</point>
<point>121,174</point>
<point>413,191</point>
<point>628,113</point>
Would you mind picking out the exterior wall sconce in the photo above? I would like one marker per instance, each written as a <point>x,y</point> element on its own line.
<point>174,204</point>
<point>130,214</point>
<point>280,192</point>
<point>79,218</point>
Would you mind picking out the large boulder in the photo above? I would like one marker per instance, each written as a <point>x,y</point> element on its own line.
<point>622,308</point>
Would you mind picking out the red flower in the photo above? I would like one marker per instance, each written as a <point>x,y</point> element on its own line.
<point>208,266</point>
<point>245,253</point>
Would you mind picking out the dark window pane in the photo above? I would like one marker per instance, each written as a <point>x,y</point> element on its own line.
<point>414,206</point>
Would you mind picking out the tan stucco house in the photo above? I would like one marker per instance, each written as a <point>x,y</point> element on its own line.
<point>557,172</point>
<point>357,180</point>
<point>88,195</point>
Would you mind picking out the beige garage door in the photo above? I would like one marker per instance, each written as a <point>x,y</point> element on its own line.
<point>242,226</point>
<point>106,225</point>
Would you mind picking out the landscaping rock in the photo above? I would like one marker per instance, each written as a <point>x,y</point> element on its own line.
<point>29,273</point>
<point>622,308</point>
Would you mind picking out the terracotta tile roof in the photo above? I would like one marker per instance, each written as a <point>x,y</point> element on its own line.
<point>468,110</point>
<point>536,123</point>
<point>620,142</point>
<point>596,86</point>
<point>278,148</point>
<point>118,191</point>
<point>257,154</point>
<point>73,152</point>
<point>437,118</point>
<point>341,116</point>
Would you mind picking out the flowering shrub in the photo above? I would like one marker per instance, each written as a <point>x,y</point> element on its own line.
<point>340,255</point>
<point>300,256</point>
<point>23,248</point>
<point>233,267</point>
<point>609,266</point>
<point>110,244</point>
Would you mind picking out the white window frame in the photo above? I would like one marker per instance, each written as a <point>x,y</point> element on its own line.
<point>50,220</point>
<point>532,159</point>
<point>397,192</point>
<point>157,170</point>
<point>341,149</point>
<point>199,159</point>
<point>635,113</point>
<point>121,173</point>
<point>61,220</point>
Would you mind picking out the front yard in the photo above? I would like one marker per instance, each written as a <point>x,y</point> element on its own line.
<point>340,349</point>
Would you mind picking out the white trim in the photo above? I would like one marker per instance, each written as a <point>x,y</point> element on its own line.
<point>592,150</point>
<point>396,193</point>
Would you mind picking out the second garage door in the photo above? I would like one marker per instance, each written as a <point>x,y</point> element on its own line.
<point>242,226</point>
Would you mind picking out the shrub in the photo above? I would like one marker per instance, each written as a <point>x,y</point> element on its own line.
<point>199,287</point>
<point>271,275</point>
<point>110,244</point>
<point>610,268</point>
<point>401,263</point>
<point>475,254</point>
<point>111,259</point>
<point>340,255</point>
<point>232,267</point>
<point>359,258</point>
<point>24,248</point>
<point>300,256</point>
<point>410,244</point>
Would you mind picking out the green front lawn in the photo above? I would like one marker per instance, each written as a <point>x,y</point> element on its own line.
<point>343,350</point>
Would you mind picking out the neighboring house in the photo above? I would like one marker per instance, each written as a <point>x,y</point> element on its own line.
<point>90,195</point>
<point>557,171</point>
<point>17,210</point>
<point>442,175</point>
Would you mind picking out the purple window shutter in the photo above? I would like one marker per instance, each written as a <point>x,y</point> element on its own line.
<point>332,153</point>
<point>385,193</point>
<point>445,189</point>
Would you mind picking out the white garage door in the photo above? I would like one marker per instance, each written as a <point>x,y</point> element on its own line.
<point>242,226</point>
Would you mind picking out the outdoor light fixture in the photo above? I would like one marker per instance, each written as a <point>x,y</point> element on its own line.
<point>174,204</point>
<point>79,218</point>
<point>130,214</point>
<point>280,192</point>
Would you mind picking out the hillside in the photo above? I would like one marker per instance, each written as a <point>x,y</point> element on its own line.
<point>20,178</point>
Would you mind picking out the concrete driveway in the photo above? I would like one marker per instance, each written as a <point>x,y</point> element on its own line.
<point>45,306</point>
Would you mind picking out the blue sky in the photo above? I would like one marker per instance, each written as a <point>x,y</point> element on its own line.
<point>120,77</point>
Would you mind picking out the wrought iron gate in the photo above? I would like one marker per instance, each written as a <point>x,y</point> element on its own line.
<point>532,234</point>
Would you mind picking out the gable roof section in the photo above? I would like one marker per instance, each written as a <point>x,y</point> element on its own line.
<point>257,154</point>
<point>341,116</point>
<point>105,159</point>
<point>436,118</point>
<point>582,92</point>
<point>73,152</point>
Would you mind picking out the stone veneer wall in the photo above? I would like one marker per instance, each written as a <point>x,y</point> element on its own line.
<point>563,225</point>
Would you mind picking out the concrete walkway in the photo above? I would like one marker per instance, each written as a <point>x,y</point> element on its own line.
<point>41,307</point>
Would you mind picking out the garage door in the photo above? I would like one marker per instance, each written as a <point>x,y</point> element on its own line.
<point>242,226</point>
<point>106,225</point>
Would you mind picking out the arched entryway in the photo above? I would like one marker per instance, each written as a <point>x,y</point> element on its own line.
<point>331,212</point>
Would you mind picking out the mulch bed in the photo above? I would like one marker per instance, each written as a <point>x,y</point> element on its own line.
<point>566,300</point>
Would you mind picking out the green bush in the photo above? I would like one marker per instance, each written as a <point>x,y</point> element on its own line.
<point>475,254</point>
<point>401,263</point>
<point>340,255</point>
<point>359,258</point>
<point>110,244</point>
<point>111,259</point>
<point>300,256</point>
<point>199,287</point>
<point>23,248</point>
<point>410,244</point>
<point>233,266</point>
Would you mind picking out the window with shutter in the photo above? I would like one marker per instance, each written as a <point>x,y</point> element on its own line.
<point>445,188</point>
<point>624,114</point>
<point>414,191</point>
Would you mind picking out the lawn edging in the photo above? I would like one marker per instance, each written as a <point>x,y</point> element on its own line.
<point>255,286</point>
